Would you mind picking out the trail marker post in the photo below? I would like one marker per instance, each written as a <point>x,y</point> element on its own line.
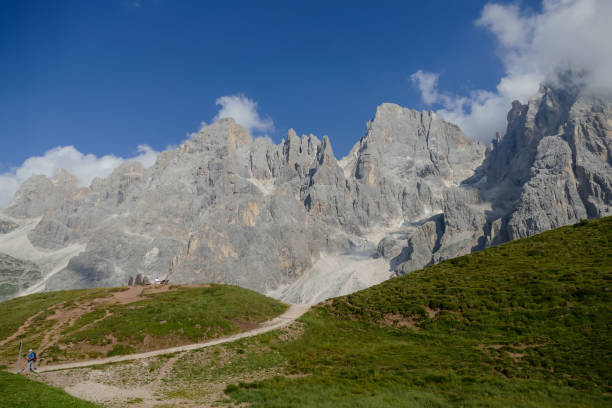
<point>19,358</point>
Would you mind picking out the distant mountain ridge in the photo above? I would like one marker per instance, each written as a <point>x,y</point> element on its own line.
<point>292,221</point>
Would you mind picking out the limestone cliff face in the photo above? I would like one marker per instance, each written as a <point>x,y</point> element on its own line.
<point>291,220</point>
<point>554,165</point>
<point>219,208</point>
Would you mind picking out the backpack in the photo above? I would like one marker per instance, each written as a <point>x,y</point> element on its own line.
<point>34,357</point>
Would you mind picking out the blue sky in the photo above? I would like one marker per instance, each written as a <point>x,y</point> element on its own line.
<point>107,76</point>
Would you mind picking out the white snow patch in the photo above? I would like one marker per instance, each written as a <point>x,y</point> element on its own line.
<point>378,232</point>
<point>348,162</point>
<point>266,186</point>
<point>335,275</point>
<point>151,256</point>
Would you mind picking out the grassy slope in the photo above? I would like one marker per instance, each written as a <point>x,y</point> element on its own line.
<point>37,308</point>
<point>525,324</point>
<point>184,315</point>
<point>17,391</point>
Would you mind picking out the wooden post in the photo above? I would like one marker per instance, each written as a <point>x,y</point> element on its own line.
<point>19,358</point>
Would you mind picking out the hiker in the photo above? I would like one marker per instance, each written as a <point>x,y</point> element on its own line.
<point>31,360</point>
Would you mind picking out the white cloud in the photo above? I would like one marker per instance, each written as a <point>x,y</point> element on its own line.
<point>146,155</point>
<point>85,167</point>
<point>427,82</point>
<point>534,47</point>
<point>506,22</point>
<point>244,111</point>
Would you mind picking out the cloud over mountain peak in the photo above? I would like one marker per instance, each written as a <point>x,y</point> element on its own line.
<point>534,48</point>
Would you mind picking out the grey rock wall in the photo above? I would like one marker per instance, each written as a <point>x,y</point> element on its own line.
<point>553,167</point>
<point>414,190</point>
<point>16,275</point>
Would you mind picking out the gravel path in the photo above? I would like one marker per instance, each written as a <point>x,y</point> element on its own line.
<point>294,312</point>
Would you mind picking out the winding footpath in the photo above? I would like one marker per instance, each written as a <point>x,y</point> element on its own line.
<point>294,312</point>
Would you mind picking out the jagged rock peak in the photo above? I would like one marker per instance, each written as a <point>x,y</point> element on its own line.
<point>412,143</point>
<point>388,110</point>
<point>295,147</point>
<point>553,165</point>
<point>325,154</point>
<point>40,192</point>
<point>64,177</point>
<point>225,132</point>
<point>291,135</point>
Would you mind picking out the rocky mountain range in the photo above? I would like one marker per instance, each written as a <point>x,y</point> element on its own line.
<point>292,221</point>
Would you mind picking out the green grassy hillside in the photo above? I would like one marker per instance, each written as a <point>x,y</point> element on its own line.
<point>524,324</point>
<point>92,323</point>
<point>17,391</point>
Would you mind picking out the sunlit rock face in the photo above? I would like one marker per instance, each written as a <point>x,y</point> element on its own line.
<point>554,165</point>
<point>292,221</point>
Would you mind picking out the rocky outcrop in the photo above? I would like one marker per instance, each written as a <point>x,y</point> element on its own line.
<point>420,247</point>
<point>553,167</point>
<point>550,196</point>
<point>39,193</point>
<point>16,275</point>
<point>410,158</point>
<point>220,208</point>
<point>7,226</point>
<point>292,221</point>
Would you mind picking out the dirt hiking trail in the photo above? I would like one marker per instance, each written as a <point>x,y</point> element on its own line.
<point>293,313</point>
